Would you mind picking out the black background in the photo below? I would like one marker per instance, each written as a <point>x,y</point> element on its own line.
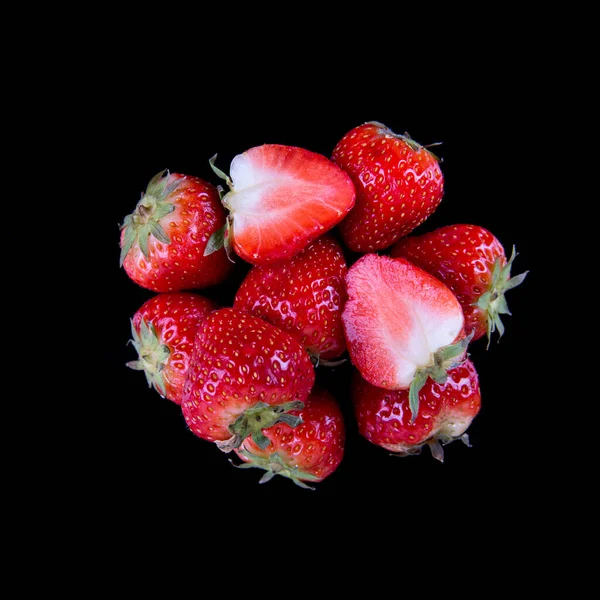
<point>145,460</point>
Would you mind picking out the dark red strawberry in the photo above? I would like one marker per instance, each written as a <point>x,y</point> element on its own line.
<point>303,295</point>
<point>402,325</point>
<point>398,184</point>
<point>163,331</point>
<point>309,452</point>
<point>446,412</point>
<point>281,198</point>
<point>471,262</point>
<point>245,375</point>
<point>163,240</point>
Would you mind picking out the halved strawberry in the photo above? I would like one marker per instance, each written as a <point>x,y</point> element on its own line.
<point>281,198</point>
<point>447,410</point>
<point>245,375</point>
<point>303,295</point>
<point>402,325</point>
<point>309,452</point>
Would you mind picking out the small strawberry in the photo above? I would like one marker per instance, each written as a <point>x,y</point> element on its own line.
<point>163,331</point>
<point>471,262</point>
<point>309,452</point>
<point>303,295</point>
<point>163,240</point>
<point>245,375</point>
<point>281,198</point>
<point>402,325</point>
<point>447,410</point>
<point>398,184</point>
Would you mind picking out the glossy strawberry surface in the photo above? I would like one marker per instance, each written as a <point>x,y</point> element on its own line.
<point>163,331</point>
<point>304,295</point>
<point>164,239</point>
<point>398,184</point>
<point>238,362</point>
<point>309,452</point>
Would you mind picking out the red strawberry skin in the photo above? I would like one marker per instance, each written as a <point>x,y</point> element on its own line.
<point>171,321</point>
<point>303,295</point>
<point>309,452</point>
<point>464,257</point>
<point>398,185</point>
<point>187,210</point>
<point>282,198</point>
<point>446,412</point>
<point>239,360</point>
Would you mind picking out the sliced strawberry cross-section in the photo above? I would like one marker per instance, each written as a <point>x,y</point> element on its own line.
<point>281,198</point>
<point>402,325</point>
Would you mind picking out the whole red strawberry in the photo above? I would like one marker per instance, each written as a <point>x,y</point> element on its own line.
<point>281,199</point>
<point>303,295</point>
<point>398,184</point>
<point>472,263</point>
<point>163,331</point>
<point>163,240</point>
<point>446,412</point>
<point>309,452</point>
<point>245,375</point>
<point>402,325</point>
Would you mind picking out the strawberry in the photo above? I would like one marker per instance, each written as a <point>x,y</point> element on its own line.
<point>471,262</point>
<point>281,198</point>
<point>402,325</point>
<point>309,452</point>
<point>303,295</point>
<point>163,331</point>
<point>163,240</point>
<point>245,375</point>
<point>398,184</point>
<point>447,410</point>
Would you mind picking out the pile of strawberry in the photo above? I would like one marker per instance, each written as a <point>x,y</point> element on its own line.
<point>404,312</point>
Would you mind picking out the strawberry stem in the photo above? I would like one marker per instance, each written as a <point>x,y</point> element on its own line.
<point>255,419</point>
<point>274,464</point>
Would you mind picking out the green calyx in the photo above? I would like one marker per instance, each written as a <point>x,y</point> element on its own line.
<point>223,236</point>
<point>275,465</point>
<point>144,220</point>
<point>444,359</point>
<point>493,302</point>
<point>405,137</point>
<point>260,416</point>
<point>153,355</point>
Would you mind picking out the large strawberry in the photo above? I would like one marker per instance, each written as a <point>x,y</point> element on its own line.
<point>245,375</point>
<point>398,184</point>
<point>281,198</point>
<point>303,295</point>
<point>447,410</point>
<point>402,325</point>
<point>309,452</point>
<point>163,240</point>
<point>163,331</point>
<point>471,261</point>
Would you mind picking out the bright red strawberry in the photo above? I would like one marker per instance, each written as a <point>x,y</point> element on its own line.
<point>471,262</point>
<point>398,184</point>
<point>447,410</point>
<point>281,198</point>
<point>309,452</point>
<point>163,240</point>
<point>402,325</point>
<point>245,375</point>
<point>163,331</point>
<point>303,295</point>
